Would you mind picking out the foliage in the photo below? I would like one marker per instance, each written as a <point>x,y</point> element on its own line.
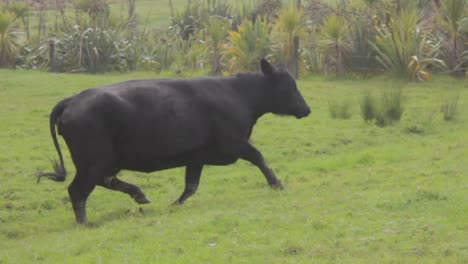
<point>158,50</point>
<point>33,56</point>
<point>21,11</point>
<point>216,29</point>
<point>10,38</point>
<point>385,110</point>
<point>97,10</point>
<point>196,14</point>
<point>404,39</point>
<point>407,38</point>
<point>95,49</point>
<point>449,107</point>
<point>247,45</point>
<point>368,106</point>
<point>452,30</point>
<point>289,26</point>
<point>362,29</point>
<point>335,43</point>
<point>267,9</point>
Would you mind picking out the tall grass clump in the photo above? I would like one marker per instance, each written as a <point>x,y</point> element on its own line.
<point>368,106</point>
<point>449,107</point>
<point>339,110</point>
<point>383,110</point>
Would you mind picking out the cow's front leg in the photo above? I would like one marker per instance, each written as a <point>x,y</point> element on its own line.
<point>245,150</point>
<point>192,179</point>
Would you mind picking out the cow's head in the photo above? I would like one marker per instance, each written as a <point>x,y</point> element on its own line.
<point>284,96</point>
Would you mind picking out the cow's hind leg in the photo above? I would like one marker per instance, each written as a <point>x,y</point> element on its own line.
<point>79,190</point>
<point>134,191</point>
<point>192,179</point>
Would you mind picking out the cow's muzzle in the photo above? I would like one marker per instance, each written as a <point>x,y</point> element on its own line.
<point>303,113</point>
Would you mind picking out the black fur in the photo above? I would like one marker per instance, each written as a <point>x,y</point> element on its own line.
<point>150,125</point>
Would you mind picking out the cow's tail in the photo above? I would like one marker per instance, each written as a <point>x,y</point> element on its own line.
<point>59,174</point>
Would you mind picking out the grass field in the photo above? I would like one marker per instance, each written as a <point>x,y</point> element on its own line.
<point>354,192</point>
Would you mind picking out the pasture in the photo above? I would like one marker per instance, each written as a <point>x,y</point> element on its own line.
<point>354,192</point>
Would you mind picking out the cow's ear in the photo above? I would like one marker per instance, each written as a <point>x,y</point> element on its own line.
<point>266,67</point>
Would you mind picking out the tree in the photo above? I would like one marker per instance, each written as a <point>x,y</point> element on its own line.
<point>289,27</point>
<point>334,41</point>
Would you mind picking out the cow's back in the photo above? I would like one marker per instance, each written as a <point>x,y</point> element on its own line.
<point>153,120</point>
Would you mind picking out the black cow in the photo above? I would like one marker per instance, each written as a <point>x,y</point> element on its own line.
<point>151,125</point>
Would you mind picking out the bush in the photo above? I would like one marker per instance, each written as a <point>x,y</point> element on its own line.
<point>452,33</point>
<point>9,39</point>
<point>196,14</point>
<point>391,107</point>
<point>33,56</point>
<point>158,50</point>
<point>247,45</point>
<point>95,50</point>
<point>402,46</point>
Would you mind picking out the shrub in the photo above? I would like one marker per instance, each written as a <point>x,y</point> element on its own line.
<point>95,50</point>
<point>9,39</point>
<point>452,29</point>
<point>157,50</point>
<point>361,57</point>
<point>402,46</point>
<point>191,55</point>
<point>196,14</point>
<point>33,56</point>
<point>247,45</point>
<point>97,10</point>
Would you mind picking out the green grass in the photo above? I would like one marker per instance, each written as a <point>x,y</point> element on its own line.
<point>354,192</point>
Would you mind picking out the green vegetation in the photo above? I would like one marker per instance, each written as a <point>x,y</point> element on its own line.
<point>354,192</point>
<point>386,109</point>
<point>409,39</point>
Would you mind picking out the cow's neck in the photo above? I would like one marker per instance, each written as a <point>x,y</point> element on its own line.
<point>253,88</point>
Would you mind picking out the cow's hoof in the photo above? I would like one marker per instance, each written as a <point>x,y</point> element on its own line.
<point>141,199</point>
<point>176,203</point>
<point>277,186</point>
